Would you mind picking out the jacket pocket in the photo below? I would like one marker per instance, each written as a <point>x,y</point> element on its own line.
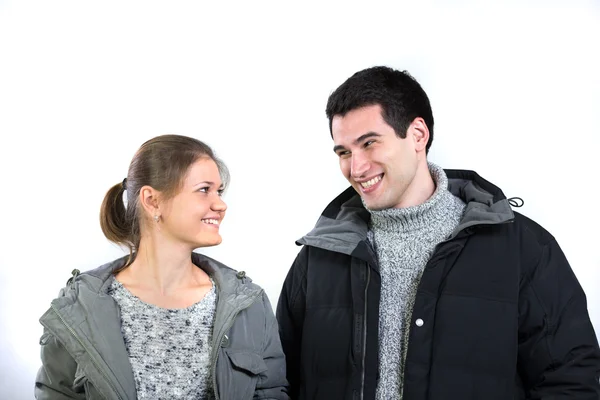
<point>81,383</point>
<point>243,374</point>
<point>246,361</point>
<point>80,380</point>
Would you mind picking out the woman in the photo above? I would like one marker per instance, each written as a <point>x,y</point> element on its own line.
<point>164,322</point>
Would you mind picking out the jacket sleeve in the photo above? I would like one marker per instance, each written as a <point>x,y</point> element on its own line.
<point>272,384</point>
<point>55,379</point>
<point>290,315</point>
<point>558,349</point>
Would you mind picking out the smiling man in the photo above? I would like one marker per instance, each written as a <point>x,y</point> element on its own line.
<point>422,283</point>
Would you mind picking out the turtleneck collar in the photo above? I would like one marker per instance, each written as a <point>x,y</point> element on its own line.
<point>417,216</point>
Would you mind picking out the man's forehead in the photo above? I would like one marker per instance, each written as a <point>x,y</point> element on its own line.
<point>348,131</point>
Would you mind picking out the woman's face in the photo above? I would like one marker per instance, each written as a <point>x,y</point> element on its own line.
<point>194,215</point>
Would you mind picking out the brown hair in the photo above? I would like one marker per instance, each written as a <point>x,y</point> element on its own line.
<point>162,163</point>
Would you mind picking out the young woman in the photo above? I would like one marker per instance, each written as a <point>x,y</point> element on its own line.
<point>163,322</point>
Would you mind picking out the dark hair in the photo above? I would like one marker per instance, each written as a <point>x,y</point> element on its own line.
<point>400,96</point>
<point>162,163</point>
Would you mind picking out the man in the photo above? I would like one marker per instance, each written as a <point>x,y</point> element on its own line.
<point>422,283</point>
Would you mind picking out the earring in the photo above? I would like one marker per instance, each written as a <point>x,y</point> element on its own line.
<point>156,218</point>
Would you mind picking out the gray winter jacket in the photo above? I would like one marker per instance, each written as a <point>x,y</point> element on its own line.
<point>84,356</point>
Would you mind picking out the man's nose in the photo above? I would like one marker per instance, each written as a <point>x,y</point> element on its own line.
<point>359,165</point>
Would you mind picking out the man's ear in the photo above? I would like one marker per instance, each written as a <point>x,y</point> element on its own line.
<point>419,133</point>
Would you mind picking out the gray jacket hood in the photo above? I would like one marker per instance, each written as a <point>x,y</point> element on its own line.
<point>344,223</point>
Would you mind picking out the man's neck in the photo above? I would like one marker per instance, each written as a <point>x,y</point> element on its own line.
<point>421,188</point>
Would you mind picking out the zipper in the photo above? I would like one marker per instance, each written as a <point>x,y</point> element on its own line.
<point>213,367</point>
<point>364,350</point>
<point>96,364</point>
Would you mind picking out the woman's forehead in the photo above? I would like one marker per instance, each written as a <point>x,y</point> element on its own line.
<point>203,170</point>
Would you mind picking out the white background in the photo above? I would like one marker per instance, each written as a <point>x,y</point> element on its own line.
<point>514,87</point>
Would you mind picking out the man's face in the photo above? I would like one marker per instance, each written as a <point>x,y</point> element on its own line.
<point>379,165</point>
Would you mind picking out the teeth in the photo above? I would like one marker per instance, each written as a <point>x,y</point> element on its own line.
<point>371,182</point>
<point>211,221</point>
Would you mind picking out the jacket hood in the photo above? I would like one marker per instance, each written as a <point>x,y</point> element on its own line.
<point>343,225</point>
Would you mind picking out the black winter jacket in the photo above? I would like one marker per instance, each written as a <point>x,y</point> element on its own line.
<point>498,314</point>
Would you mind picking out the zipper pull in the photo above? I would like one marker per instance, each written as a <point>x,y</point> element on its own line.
<point>242,276</point>
<point>75,272</point>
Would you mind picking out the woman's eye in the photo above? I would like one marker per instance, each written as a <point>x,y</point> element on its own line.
<point>204,189</point>
<point>220,192</point>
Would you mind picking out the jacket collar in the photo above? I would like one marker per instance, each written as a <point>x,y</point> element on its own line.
<point>343,225</point>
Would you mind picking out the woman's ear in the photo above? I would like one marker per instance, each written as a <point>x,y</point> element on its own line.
<point>150,202</point>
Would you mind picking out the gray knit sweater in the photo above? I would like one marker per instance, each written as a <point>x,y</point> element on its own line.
<point>169,349</point>
<point>404,240</point>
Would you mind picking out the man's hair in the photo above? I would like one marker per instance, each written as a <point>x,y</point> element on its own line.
<point>400,96</point>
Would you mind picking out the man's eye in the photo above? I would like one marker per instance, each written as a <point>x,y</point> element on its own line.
<point>369,142</point>
<point>343,153</point>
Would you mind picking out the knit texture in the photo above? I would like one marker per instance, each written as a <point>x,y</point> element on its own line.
<point>169,349</point>
<point>404,240</point>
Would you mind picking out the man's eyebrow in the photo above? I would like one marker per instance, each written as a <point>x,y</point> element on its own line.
<point>358,140</point>
<point>338,147</point>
